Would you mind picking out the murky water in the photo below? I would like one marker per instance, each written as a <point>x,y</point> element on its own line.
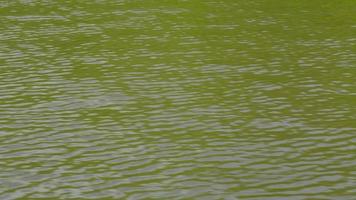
<point>217,99</point>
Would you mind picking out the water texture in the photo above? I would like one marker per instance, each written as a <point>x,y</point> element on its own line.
<point>216,99</point>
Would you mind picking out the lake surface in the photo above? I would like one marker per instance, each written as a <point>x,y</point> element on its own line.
<point>216,99</point>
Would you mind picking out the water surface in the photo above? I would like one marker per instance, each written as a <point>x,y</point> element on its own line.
<point>216,99</point>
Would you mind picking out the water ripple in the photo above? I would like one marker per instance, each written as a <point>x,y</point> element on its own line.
<point>185,100</point>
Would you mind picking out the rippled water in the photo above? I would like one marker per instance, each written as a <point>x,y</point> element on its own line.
<point>216,99</point>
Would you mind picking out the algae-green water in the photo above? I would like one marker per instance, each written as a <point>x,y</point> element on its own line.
<point>144,99</point>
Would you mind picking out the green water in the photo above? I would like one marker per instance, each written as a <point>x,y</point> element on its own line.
<point>216,99</point>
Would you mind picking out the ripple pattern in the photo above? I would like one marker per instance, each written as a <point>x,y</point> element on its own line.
<point>212,99</point>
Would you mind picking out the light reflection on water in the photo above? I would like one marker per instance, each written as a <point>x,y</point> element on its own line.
<point>183,100</point>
